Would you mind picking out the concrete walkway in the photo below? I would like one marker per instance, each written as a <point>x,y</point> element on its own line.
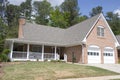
<point>96,78</point>
<point>110,67</point>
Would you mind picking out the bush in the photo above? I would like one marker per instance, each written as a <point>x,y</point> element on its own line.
<point>73,57</point>
<point>6,51</point>
<point>4,55</point>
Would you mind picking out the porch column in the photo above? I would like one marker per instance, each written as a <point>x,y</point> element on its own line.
<point>28,48</point>
<point>42,52</point>
<point>55,52</point>
<point>11,50</point>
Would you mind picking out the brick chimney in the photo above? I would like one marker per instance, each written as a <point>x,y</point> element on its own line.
<point>22,22</point>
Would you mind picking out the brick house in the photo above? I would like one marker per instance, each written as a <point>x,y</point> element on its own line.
<point>118,38</point>
<point>91,41</point>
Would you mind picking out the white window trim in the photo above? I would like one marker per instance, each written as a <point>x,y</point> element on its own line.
<point>100,32</point>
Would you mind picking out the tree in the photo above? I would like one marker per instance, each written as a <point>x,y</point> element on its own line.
<point>82,18</point>
<point>13,13</point>
<point>57,18</point>
<point>42,9</point>
<point>71,7</point>
<point>3,4</point>
<point>26,9</point>
<point>3,33</point>
<point>114,22</point>
<point>95,11</point>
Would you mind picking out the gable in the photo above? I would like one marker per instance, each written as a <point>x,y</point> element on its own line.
<point>108,37</point>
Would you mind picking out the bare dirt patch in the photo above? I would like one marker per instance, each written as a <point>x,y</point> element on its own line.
<point>39,78</point>
<point>61,74</point>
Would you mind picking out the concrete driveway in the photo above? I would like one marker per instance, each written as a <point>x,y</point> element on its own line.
<point>111,67</point>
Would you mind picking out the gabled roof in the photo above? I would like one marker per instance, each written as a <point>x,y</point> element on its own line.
<point>118,38</point>
<point>71,36</point>
<point>77,32</point>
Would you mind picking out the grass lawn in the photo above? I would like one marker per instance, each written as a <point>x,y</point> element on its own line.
<point>50,71</point>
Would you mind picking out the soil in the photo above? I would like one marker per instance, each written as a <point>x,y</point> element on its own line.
<point>1,70</point>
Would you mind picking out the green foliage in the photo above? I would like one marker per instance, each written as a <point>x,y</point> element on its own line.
<point>13,13</point>
<point>114,22</point>
<point>42,9</point>
<point>71,7</point>
<point>4,55</point>
<point>3,33</point>
<point>6,51</point>
<point>82,18</point>
<point>26,9</point>
<point>58,18</point>
<point>96,11</point>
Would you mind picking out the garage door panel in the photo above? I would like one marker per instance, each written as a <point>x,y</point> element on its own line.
<point>109,55</point>
<point>93,59</point>
<point>94,54</point>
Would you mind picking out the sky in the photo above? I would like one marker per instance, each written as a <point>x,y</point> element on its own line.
<point>86,5</point>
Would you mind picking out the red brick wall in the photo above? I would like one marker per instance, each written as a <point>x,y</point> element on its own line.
<point>77,50</point>
<point>102,42</point>
<point>20,31</point>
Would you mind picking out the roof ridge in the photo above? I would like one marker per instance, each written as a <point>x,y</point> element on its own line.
<point>44,26</point>
<point>85,20</point>
<point>62,28</point>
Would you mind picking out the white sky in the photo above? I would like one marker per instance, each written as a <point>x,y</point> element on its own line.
<point>53,2</point>
<point>117,11</point>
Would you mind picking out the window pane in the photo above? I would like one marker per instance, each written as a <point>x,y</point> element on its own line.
<point>98,31</point>
<point>102,31</point>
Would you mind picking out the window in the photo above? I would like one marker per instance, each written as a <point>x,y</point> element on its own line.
<point>108,51</point>
<point>100,31</point>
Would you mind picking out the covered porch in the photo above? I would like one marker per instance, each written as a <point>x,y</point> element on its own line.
<point>35,52</point>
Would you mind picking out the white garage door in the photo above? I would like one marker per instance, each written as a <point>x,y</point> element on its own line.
<point>109,55</point>
<point>94,54</point>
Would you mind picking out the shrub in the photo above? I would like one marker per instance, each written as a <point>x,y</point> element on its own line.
<point>73,57</point>
<point>4,55</point>
<point>6,51</point>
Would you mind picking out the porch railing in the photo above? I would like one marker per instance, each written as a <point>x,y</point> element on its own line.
<point>19,55</point>
<point>49,56</point>
<point>35,55</point>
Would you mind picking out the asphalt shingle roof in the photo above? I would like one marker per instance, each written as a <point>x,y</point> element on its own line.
<point>57,36</point>
<point>118,38</point>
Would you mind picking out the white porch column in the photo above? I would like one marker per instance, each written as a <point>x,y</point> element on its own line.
<point>42,52</point>
<point>55,52</point>
<point>11,50</point>
<point>28,48</point>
